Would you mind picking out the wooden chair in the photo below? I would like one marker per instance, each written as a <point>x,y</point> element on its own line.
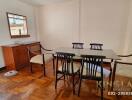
<point>125,60</point>
<point>92,70</point>
<point>96,46</point>
<point>66,68</point>
<point>77,45</point>
<point>107,62</point>
<point>36,55</point>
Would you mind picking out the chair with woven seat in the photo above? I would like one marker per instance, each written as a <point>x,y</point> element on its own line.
<point>125,60</point>
<point>66,67</point>
<point>36,56</point>
<point>92,70</point>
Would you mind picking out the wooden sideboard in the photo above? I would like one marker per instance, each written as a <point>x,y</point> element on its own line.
<point>16,55</point>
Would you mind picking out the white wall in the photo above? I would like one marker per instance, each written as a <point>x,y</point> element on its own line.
<point>128,39</point>
<point>58,24</point>
<point>101,21</point>
<point>104,21</point>
<point>15,6</point>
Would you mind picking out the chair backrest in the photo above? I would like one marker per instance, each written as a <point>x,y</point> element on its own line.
<point>34,48</point>
<point>91,65</point>
<point>77,45</point>
<point>66,61</point>
<point>96,46</point>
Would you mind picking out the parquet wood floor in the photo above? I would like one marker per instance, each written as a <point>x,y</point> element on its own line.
<point>27,86</point>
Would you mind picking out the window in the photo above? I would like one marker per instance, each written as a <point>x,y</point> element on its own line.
<point>17,25</point>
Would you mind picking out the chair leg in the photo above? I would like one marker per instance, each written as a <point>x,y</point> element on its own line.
<point>110,75</point>
<point>56,81</point>
<point>54,65</point>
<point>64,77</point>
<point>101,90</point>
<point>73,84</point>
<point>97,85</point>
<point>79,86</point>
<point>44,69</point>
<point>31,70</point>
<point>113,76</point>
<point>110,79</point>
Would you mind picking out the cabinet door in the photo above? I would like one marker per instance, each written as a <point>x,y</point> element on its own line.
<point>8,58</point>
<point>20,56</point>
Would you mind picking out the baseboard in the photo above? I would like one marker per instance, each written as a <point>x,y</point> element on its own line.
<point>2,68</point>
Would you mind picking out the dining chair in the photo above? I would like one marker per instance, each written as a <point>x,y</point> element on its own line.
<point>77,45</point>
<point>37,56</point>
<point>66,67</point>
<point>96,46</point>
<point>92,70</point>
<point>125,60</point>
<point>107,62</point>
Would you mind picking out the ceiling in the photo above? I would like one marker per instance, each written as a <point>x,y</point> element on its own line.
<point>41,2</point>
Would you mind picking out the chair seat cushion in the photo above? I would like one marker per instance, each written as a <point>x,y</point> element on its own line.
<point>76,58</point>
<point>76,67</point>
<point>107,60</point>
<point>124,70</point>
<point>38,59</point>
<point>106,72</point>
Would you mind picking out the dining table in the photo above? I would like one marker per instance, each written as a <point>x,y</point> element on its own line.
<point>108,53</point>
